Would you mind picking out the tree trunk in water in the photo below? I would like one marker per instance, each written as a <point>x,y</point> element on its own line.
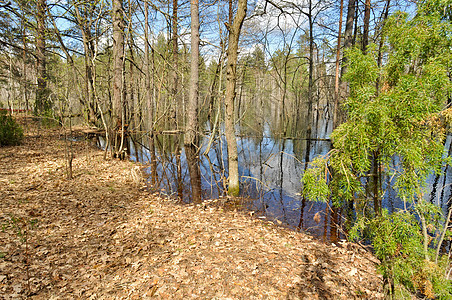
<point>118,122</point>
<point>310,84</point>
<point>193,168</point>
<point>42,102</point>
<point>174,96</point>
<point>149,96</point>
<point>334,224</point>
<point>376,181</point>
<point>191,130</point>
<point>231,78</point>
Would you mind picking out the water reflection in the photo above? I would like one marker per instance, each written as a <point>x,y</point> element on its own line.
<point>270,168</point>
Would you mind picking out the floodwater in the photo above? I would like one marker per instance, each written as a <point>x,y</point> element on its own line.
<point>270,168</point>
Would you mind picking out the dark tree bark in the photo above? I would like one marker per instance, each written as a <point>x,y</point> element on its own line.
<point>193,169</point>
<point>348,33</point>
<point>174,92</point>
<point>310,81</point>
<point>366,26</point>
<point>339,115</point>
<point>42,104</point>
<point>231,78</point>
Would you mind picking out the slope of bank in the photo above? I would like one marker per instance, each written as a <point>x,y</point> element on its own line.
<point>102,235</point>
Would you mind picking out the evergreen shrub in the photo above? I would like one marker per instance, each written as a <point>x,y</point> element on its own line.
<point>398,115</point>
<point>11,133</point>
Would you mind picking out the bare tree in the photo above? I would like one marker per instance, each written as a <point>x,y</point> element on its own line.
<point>191,129</point>
<point>118,116</point>
<point>231,78</point>
<point>148,94</point>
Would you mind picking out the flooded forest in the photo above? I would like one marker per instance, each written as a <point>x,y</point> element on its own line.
<point>327,117</point>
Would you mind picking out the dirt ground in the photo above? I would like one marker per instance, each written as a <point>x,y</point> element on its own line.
<point>103,235</point>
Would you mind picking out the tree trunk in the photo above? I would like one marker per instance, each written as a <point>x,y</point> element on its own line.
<point>24,69</point>
<point>131,113</point>
<point>174,96</point>
<point>338,56</point>
<point>118,83</point>
<point>348,34</point>
<point>231,78</point>
<point>149,95</point>
<point>191,130</point>
<point>342,92</point>
<point>366,26</point>
<point>89,102</point>
<point>42,104</point>
<point>193,169</point>
<point>310,83</point>
<point>175,54</point>
<point>380,44</point>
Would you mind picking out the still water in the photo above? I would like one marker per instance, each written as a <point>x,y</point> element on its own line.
<point>270,168</point>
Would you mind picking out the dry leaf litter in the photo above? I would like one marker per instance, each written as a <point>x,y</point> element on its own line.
<point>103,235</point>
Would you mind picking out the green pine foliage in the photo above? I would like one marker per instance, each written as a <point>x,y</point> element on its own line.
<point>10,132</point>
<point>396,110</point>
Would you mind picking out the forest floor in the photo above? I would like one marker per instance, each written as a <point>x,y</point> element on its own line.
<point>104,235</point>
